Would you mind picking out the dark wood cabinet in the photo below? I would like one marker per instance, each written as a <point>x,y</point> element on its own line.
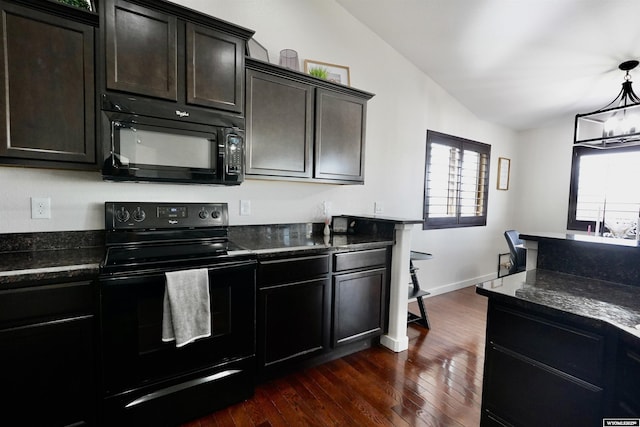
<point>47,90</point>
<point>340,136</point>
<point>159,50</point>
<point>215,69</point>
<point>518,387</point>
<point>279,127</point>
<point>293,310</point>
<point>360,288</point>
<point>318,307</point>
<point>141,49</point>
<point>533,361</point>
<point>627,399</point>
<point>303,128</point>
<point>46,336</point>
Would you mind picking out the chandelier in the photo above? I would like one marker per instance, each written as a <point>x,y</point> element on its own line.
<point>615,125</point>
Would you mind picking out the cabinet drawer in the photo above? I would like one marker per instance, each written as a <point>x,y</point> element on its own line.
<point>574,351</point>
<point>287,270</point>
<point>45,302</point>
<point>360,259</point>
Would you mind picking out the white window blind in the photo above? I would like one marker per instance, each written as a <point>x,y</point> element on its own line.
<point>456,181</point>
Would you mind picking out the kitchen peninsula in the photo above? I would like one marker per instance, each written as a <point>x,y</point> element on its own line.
<point>563,338</point>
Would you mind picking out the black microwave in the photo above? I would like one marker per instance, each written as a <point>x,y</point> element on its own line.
<point>144,148</point>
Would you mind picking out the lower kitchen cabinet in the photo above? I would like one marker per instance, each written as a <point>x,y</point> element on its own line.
<point>47,371</point>
<point>627,398</point>
<point>293,310</point>
<point>534,362</point>
<point>315,308</point>
<point>359,295</point>
<point>518,388</point>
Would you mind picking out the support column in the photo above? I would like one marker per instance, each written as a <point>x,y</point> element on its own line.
<point>532,254</point>
<point>397,339</point>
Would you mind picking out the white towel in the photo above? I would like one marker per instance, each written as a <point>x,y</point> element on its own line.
<point>187,314</point>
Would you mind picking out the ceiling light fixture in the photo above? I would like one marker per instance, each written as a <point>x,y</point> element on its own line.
<point>615,125</point>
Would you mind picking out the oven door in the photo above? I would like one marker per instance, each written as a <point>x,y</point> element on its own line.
<point>133,353</point>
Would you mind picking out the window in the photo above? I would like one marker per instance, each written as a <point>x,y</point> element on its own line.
<point>604,184</point>
<point>456,189</point>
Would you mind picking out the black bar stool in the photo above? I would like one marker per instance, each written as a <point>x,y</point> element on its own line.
<point>416,292</point>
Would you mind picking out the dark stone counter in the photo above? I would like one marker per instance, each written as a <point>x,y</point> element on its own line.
<point>27,259</point>
<point>36,258</point>
<point>286,239</point>
<point>591,299</point>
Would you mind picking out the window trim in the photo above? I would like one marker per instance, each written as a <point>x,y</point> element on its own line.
<point>578,152</point>
<point>456,221</point>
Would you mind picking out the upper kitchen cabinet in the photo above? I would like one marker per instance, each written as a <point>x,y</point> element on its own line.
<point>160,50</point>
<point>303,128</point>
<point>279,126</point>
<point>47,90</point>
<point>141,50</point>
<point>340,133</point>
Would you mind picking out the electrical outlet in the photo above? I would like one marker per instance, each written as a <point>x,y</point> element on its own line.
<point>245,207</point>
<point>41,208</point>
<point>378,207</point>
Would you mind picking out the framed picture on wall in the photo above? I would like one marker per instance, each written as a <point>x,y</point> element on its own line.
<point>504,170</point>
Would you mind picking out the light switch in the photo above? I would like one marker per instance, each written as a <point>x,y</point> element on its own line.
<point>245,207</point>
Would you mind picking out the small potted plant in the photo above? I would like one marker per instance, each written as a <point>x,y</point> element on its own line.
<point>319,72</point>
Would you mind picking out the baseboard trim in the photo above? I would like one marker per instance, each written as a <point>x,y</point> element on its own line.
<point>458,285</point>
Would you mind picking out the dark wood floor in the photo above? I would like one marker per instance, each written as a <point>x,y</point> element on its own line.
<point>437,382</point>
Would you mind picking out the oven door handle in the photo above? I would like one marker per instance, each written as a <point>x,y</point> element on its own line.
<point>175,388</point>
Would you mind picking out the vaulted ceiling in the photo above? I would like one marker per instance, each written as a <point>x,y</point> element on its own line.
<point>517,63</point>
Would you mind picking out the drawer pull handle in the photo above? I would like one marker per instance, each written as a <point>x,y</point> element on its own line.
<point>182,386</point>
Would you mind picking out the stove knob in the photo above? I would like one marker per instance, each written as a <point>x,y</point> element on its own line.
<point>203,214</point>
<point>122,215</point>
<point>139,215</point>
<point>215,214</point>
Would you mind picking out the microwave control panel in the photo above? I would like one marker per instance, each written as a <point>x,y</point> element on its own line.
<point>234,154</point>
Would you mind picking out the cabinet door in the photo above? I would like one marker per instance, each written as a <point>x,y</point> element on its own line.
<point>47,89</point>
<point>293,321</point>
<point>627,399</point>
<point>215,65</point>
<point>358,305</point>
<point>47,373</point>
<point>141,50</point>
<point>340,136</point>
<point>279,126</point>
<point>517,389</point>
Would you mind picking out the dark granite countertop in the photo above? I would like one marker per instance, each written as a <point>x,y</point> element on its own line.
<point>594,300</point>
<point>22,268</point>
<point>283,239</point>
<point>28,259</point>
<point>581,238</point>
<point>387,219</point>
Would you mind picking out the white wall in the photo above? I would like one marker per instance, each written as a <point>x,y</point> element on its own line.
<point>543,179</point>
<point>407,103</point>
